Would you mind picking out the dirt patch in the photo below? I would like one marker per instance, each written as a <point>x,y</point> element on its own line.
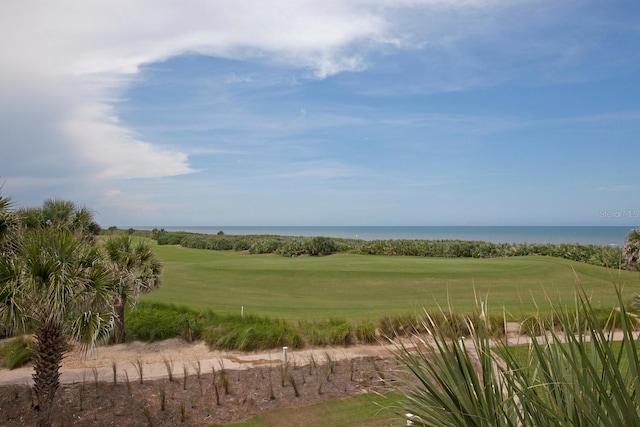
<point>219,395</point>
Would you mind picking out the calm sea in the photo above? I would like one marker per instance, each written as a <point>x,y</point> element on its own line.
<point>595,235</point>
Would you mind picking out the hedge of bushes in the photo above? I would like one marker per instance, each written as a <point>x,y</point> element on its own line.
<point>604,256</point>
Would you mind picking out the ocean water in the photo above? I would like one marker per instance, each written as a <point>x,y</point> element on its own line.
<point>595,235</point>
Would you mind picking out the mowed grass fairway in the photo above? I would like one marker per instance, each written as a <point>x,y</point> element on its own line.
<point>358,287</point>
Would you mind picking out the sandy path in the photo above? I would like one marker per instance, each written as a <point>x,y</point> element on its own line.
<point>179,355</point>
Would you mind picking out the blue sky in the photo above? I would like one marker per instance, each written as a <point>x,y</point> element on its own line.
<point>429,112</point>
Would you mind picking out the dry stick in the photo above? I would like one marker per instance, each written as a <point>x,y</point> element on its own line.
<point>185,375</point>
<point>126,377</point>
<point>224,379</point>
<point>82,387</point>
<point>292,380</point>
<point>272,396</point>
<point>139,368</point>
<point>214,383</point>
<point>163,397</point>
<point>198,367</point>
<point>169,365</point>
<point>320,379</point>
<point>114,368</point>
<point>312,364</point>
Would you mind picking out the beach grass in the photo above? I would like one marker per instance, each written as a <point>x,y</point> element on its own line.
<point>367,287</point>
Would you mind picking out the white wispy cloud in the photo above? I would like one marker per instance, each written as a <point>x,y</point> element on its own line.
<point>65,66</point>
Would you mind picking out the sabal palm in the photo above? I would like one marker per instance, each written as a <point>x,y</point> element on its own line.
<point>8,223</point>
<point>61,214</point>
<point>135,269</point>
<point>631,250</point>
<point>60,288</point>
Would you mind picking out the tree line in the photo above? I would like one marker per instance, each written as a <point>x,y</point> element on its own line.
<point>604,256</point>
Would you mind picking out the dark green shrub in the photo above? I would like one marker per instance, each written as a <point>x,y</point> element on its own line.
<point>293,248</point>
<point>171,238</point>
<point>264,246</point>
<point>16,352</point>
<point>340,333</point>
<point>319,246</point>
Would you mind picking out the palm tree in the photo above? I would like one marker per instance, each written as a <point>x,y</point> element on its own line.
<point>8,223</point>
<point>136,270</point>
<point>62,214</point>
<point>60,287</point>
<point>631,250</point>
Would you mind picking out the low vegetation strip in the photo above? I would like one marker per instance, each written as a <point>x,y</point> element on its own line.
<point>605,256</point>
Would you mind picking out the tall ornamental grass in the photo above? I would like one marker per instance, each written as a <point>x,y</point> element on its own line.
<point>580,373</point>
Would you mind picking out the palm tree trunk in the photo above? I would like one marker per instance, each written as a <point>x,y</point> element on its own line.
<point>119,334</point>
<point>46,379</point>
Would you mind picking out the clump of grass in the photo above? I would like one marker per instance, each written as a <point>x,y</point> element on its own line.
<point>128,383</point>
<point>312,363</point>
<point>331,364</point>
<point>214,384</point>
<point>366,332</point>
<point>16,352</point>
<point>575,374</point>
<point>399,325</point>
<point>294,384</point>
<point>224,381</point>
<point>14,392</point>
<point>162,396</point>
<point>157,321</point>
<point>330,332</point>
<point>147,416</point>
<point>251,333</point>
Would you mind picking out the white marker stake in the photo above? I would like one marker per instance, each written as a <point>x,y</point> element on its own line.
<point>284,355</point>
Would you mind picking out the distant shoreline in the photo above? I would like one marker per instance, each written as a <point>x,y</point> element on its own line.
<point>594,235</point>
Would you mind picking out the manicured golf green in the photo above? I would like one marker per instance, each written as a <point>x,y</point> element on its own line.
<point>358,287</point>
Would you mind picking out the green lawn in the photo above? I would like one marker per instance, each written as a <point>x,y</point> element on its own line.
<point>367,287</point>
<point>366,410</point>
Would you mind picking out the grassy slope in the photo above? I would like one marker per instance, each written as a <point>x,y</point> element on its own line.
<point>367,287</point>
